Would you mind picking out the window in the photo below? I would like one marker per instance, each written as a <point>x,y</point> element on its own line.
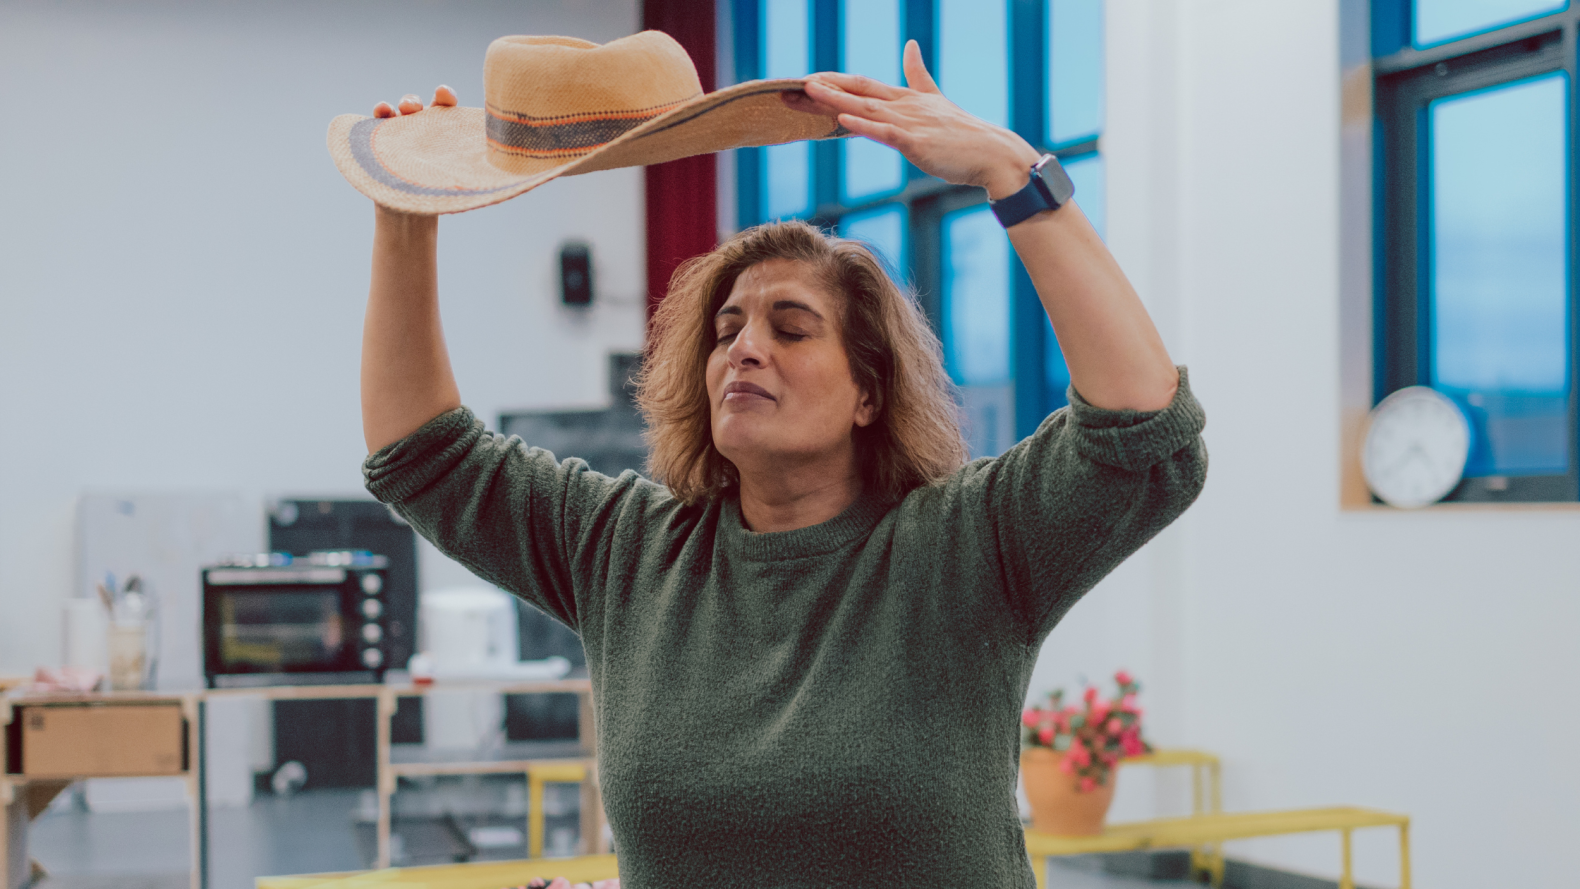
<point>1476,280</point>
<point>1032,65</point>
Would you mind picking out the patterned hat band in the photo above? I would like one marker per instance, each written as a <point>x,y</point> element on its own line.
<point>522,135</point>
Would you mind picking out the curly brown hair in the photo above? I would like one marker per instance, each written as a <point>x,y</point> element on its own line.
<point>894,357</point>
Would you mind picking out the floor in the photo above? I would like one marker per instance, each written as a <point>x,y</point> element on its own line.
<point>327,830</point>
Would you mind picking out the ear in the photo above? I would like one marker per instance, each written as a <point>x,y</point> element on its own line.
<point>866,409</point>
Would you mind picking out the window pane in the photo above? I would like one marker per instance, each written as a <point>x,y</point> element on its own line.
<point>872,48</point>
<point>976,303</point>
<point>788,180</point>
<point>1075,70</point>
<point>787,52</point>
<point>883,230</point>
<point>1499,295</point>
<point>1437,21</point>
<point>973,57</point>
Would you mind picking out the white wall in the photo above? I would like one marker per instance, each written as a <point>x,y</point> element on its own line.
<point>1422,662</point>
<point>182,269</point>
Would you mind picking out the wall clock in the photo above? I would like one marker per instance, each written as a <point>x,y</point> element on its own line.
<point>1416,447</point>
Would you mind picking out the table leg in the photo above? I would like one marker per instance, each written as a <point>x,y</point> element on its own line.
<point>534,815</point>
<point>197,771</point>
<point>386,703</point>
<point>1404,855</point>
<point>1347,878</point>
<point>13,837</point>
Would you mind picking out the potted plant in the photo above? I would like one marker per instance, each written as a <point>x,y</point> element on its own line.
<point>1069,753</point>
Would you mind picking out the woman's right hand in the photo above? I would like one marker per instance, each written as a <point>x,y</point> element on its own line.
<point>410,104</point>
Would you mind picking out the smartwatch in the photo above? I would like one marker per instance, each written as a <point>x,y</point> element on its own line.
<point>1049,189</point>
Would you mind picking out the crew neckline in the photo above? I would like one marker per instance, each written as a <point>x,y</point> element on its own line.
<point>858,520</point>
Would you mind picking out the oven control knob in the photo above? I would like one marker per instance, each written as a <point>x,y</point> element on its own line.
<point>372,584</point>
<point>372,633</point>
<point>372,608</point>
<point>372,657</point>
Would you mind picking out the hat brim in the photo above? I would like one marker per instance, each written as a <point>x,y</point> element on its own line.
<point>437,160</point>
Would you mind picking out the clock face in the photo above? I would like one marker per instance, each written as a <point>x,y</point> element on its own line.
<point>1416,447</point>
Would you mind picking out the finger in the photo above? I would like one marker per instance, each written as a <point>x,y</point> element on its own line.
<point>857,84</point>
<point>383,109</point>
<point>560,883</point>
<point>916,76</point>
<point>444,96</point>
<point>887,133</point>
<point>802,102</point>
<point>843,102</point>
<point>410,104</point>
<point>607,884</point>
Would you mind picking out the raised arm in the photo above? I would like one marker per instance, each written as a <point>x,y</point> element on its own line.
<point>406,376</point>
<point>1115,355</point>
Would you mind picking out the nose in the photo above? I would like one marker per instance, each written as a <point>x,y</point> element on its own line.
<point>747,350</point>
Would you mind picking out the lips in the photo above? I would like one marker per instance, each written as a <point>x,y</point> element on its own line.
<point>744,388</point>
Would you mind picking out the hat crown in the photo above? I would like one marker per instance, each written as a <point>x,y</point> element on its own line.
<point>560,97</point>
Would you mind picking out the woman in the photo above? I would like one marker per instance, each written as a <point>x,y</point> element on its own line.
<point>810,649</point>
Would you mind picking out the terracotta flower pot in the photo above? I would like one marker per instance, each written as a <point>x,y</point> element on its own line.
<point>1057,807</point>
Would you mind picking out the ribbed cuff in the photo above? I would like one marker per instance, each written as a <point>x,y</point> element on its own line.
<point>397,471</point>
<point>1134,440</point>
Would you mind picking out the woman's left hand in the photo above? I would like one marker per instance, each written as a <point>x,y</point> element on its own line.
<point>933,133</point>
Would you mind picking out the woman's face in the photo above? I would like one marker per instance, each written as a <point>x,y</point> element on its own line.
<point>779,382</point>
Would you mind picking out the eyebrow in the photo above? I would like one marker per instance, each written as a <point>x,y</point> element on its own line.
<point>779,306</point>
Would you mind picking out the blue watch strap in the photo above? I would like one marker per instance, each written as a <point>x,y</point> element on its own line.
<point>1049,189</point>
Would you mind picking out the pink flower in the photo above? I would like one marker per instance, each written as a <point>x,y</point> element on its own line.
<point>1090,695</point>
<point>1045,735</point>
<point>1080,755</point>
<point>1128,704</point>
<point>1099,712</point>
<point>1030,718</point>
<point>1123,677</point>
<point>1067,765</point>
<point>1087,784</point>
<point>1115,726</point>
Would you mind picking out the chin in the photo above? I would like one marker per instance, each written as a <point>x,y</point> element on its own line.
<point>735,439</point>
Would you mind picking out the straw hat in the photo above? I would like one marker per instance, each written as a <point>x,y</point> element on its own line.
<point>558,106</point>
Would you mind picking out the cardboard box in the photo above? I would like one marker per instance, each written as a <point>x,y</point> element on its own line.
<point>102,740</point>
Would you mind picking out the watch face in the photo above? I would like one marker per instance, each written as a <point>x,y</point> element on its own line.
<point>1415,448</point>
<point>1055,180</point>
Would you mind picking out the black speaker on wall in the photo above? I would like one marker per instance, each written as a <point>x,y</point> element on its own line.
<point>576,287</point>
<point>334,739</point>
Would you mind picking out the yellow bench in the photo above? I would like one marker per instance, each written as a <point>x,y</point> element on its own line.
<point>1207,827</point>
<point>1212,828</point>
<point>1202,832</point>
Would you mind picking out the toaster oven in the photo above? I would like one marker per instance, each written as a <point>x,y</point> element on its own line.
<point>275,619</point>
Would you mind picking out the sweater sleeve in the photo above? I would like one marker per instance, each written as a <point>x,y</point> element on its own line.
<point>511,514</point>
<point>1065,506</point>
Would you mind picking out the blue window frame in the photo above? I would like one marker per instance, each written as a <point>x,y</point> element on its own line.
<point>1032,65</point>
<point>1476,284</point>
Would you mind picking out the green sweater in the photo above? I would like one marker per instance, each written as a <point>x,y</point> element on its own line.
<point>832,706</point>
